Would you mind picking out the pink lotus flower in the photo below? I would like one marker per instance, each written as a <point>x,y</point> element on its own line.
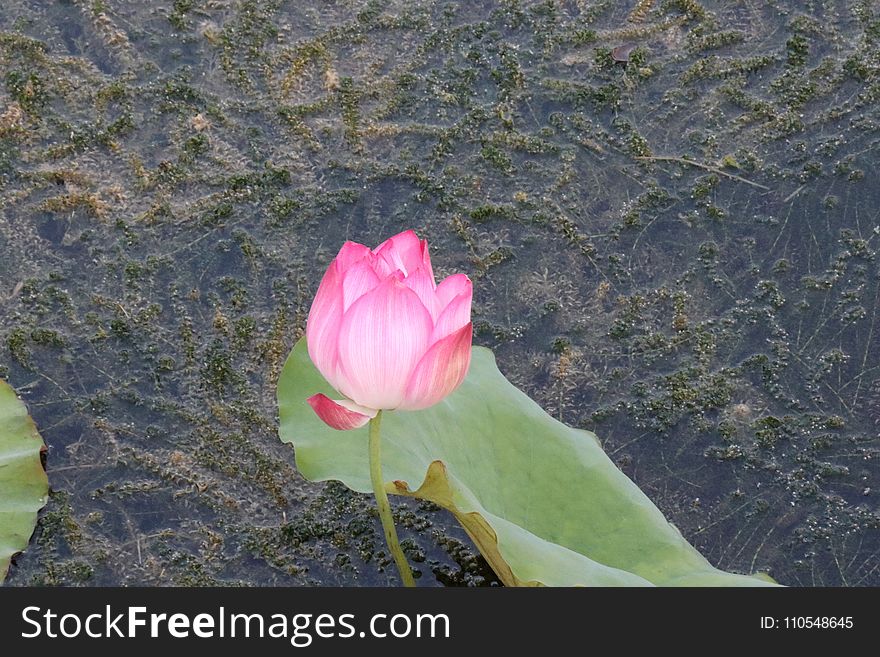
<point>384,334</point>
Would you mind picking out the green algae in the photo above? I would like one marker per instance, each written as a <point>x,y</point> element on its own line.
<point>174,179</point>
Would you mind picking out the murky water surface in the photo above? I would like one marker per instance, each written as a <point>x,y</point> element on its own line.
<point>677,251</point>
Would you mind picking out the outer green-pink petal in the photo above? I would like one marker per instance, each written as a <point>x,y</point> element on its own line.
<point>440,371</point>
<point>382,338</point>
<point>339,414</point>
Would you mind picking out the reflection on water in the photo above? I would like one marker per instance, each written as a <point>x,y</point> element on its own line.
<point>677,252</point>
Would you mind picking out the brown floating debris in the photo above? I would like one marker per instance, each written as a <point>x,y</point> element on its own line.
<point>694,163</point>
<point>637,15</point>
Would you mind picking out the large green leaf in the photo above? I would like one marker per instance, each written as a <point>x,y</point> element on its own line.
<point>542,501</point>
<point>23,482</point>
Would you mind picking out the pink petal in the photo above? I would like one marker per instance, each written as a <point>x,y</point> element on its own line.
<point>403,251</point>
<point>426,261</point>
<point>440,371</point>
<point>453,316</point>
<point>357,280</point>
<point>382,337</point>
<point>340,414</point>
<point>451,287</point>
<point>350,253</point>
<point>383,266</point>
<point>422,283</point>
<point>389,261</point>
<point>322,325</point>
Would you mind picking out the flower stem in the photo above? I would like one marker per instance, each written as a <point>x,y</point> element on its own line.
<point>382,502</point>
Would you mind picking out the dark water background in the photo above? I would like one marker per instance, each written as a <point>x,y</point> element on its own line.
<point>175,177</point>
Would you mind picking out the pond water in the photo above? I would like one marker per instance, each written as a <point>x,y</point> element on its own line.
<point>677,251</point>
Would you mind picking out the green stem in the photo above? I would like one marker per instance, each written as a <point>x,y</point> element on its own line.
<point>382,502</point>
